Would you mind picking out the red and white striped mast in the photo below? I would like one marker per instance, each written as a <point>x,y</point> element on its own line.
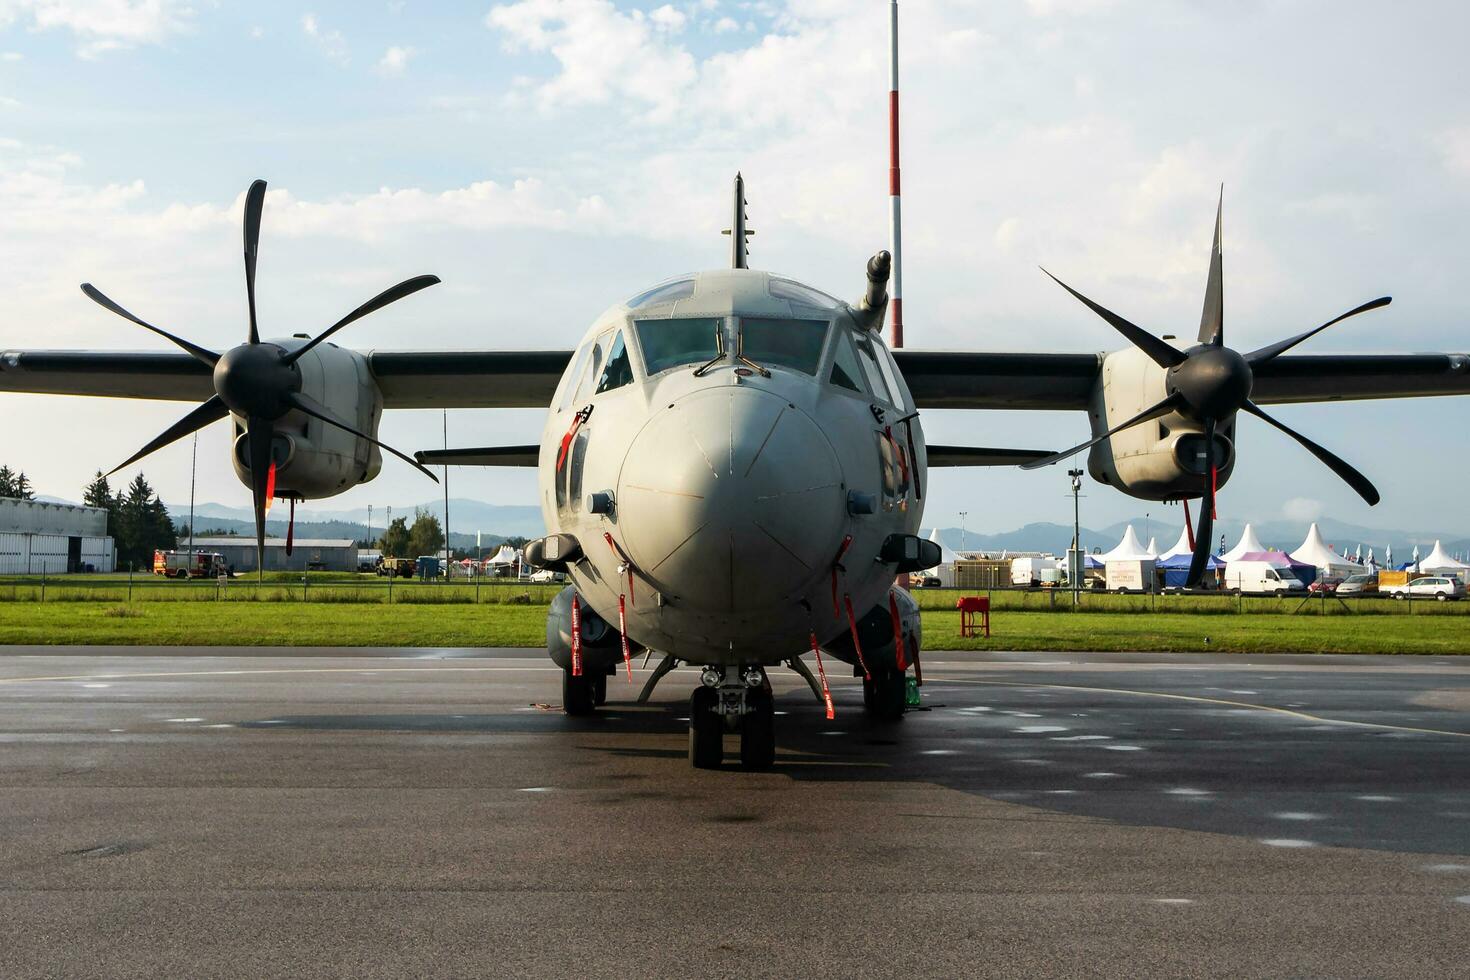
<point>895,207</point>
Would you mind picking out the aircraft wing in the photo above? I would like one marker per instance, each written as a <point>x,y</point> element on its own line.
<point>937,379</point>
<point>407,379</point>
<point>1065,382</point>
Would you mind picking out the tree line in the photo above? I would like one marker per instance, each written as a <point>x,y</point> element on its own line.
<point>136,519</point>
<point>13,484</point>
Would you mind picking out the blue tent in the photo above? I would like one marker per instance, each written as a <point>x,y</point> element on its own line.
<point>1176,569</point>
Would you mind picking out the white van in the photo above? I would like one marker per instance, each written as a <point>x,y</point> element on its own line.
<point>1261,578</point>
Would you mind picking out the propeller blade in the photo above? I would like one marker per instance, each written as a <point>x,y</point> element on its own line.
<point>392,295</point>
<point>95,295</point>
<point>1164,407</point>
<point>254,205</point>
<point>1258,357</point>
<point>210,411</point>
<point>1350,476</point>
<point>1212,318</point>
<point>258,439</point>
<point>1206,527</point>
<point>317,410</point>
<point>1159,352</point>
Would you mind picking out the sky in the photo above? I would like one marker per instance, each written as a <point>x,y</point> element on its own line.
<point>548,158</point>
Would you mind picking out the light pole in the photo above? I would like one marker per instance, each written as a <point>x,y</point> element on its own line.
<point>963,514</point>
<point>1074,558</point>
<point>370,525</point>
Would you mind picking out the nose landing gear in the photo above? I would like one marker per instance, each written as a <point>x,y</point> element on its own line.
<point>729,700</point>
<point>886,695</point>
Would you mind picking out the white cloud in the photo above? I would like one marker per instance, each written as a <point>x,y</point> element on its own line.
<point>1302,509</point>
<point>331,42</point>
<point>102,25</point>
<point>604,53</point>
<point>668,18</point>
<point>725,25</point>
<point>1454,148</point>
<point>395,60</point>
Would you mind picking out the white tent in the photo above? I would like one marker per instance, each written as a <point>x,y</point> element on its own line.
<point>505,556</point>
<point>1129,549</point>
<point>946,557</point>
<point>1181,547</point>
<point>1440,563</point>
<point>1248,543</point>
<point>1153,548</point>
<point>1314,552</point>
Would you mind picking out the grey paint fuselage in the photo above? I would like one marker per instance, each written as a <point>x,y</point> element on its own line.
<point>730,489</point>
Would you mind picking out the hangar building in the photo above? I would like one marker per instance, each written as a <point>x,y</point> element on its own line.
<point>38,537</point>
<point>315,554</point>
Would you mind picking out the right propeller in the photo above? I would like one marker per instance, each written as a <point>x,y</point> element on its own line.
<point>1210,383</point>
<point>259,382</point>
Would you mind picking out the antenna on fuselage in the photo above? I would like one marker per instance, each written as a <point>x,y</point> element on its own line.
<point>739,234</point>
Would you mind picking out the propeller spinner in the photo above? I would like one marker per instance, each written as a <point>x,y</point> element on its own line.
<point>1211,383</point>
<point>260,382</point>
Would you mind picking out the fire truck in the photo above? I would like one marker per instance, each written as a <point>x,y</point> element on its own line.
<point>185,564</point>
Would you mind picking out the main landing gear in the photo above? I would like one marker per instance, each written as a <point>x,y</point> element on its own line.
<point>731,699</point>
<point>582,695</point>
<point>886,695</point>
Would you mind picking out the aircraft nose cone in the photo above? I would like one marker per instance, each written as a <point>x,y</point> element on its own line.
<point>731,500</point>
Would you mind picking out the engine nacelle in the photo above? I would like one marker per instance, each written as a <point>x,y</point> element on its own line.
<point>314,459</point>
<point>602,647</point>
<point>1164,459</point>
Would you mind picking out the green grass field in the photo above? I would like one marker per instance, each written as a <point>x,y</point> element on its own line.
<point>352,614</point>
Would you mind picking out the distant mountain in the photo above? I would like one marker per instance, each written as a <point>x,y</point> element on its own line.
<point>465,518</point>
<point>1283,535</point>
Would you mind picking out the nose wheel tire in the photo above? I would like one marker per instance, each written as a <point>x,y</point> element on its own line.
<point>579,694</point>
<point>885,696</point>
<point>706,730</point>
<point>758,732</point>
<point>599,689</point>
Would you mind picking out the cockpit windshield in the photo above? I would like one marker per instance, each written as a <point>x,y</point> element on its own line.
<point>795,344</point>
<point>683,340</point>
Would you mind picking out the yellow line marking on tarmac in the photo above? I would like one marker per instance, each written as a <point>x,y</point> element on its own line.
<point>1200,699</point>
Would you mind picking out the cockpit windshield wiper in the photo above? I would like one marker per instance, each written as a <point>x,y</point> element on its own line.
<point>704,368</point>
<point>740,354</point>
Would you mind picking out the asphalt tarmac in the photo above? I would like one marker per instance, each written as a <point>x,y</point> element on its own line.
<point>240,812</point>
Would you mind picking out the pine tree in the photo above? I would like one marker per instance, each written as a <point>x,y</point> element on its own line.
<point>99,494</point>
<point>143,525</point>
<point>23,487</point>
<point>7,482</point>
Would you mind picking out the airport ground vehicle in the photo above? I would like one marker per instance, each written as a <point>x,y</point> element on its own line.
<point>1440,587</point>
<point>1364,583</point>
<point>397,567</point>
<point>1260,578</point>
<point>185,564</point>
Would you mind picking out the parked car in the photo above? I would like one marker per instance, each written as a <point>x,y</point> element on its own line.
<point>1431,586</point>
<point>1364,583</point>
<point>1328,585</point>
<point>1260,578</point>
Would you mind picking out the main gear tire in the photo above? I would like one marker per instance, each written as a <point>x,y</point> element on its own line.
<point>758,732</point>
<point>578,694</point>
<point>706,730</point>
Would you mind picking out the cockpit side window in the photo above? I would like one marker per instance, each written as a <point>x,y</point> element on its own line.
<point>845,370</point>
<point>795,344</point>
<point>572,377</point>
<point>619,368</point>
<point>871,369</point>
<point>594,371</point>
<point>683,340</point>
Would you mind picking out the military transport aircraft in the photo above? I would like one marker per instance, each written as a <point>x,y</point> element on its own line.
<point>733,468</point>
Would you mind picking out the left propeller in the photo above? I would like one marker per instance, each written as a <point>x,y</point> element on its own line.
<point>260,382</point>
<point>1210,383</point>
